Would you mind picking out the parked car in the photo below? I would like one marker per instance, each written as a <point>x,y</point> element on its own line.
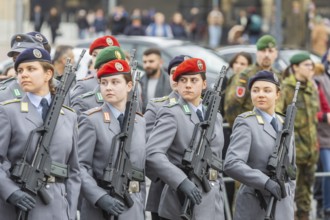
<point>169,49</point>
<point>283,60</point>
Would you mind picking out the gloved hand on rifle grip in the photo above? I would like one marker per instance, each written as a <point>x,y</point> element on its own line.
<point>22,200</point>
<point>274,188</point>
<point>111,205</point>
<point>191,191</point>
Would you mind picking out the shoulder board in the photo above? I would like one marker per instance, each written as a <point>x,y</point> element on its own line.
<point>139,113</point>
<point>171,104</point>
<point>3,87</point>
<point>87,94</point>
<point>247,70</point>
<point>67,107</point>
<point>93,110</point>
<point>160,99</point>
<point>86,78</point>
<point>280,117</point>
<point>10,101</point>
<point>7,80</point>
<point>248,114</point>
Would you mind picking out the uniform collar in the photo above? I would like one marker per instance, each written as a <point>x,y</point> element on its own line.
<point>35,99</point>
<point>114,111</point>
<point>267,117</point>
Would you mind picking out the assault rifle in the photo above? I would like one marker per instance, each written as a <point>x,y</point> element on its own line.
<point>119,174</point>
<point>32,176</point>
<point>198,157</point>
<point>279,165</point>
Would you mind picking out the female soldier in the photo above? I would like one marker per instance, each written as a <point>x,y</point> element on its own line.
<point>18,119</point>
<point>305,126</point>
<point>251,145</point>
<point>97,128</point>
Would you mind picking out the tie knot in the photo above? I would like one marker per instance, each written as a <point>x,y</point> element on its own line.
<point>200,115</point>
<point>43,102</point>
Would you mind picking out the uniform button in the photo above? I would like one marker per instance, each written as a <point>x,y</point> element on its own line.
<point>212,184</point>
<point>47,186</point>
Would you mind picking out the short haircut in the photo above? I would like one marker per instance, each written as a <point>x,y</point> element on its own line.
<point>152,51</point>
<point>60,51</point>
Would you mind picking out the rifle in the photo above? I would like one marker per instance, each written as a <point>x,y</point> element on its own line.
<point>32,177</point>
<point>118,176</point>
<point>198,157</point>
<point>278,163</point>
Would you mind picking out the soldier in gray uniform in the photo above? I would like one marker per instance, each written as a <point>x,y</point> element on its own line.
<point>171,135</point>
<point>89,83</point>
<point>252,143</point>
<point>94,98</point>
<point>19,118</point>
<point>153,107</point>
<point>97,128</point>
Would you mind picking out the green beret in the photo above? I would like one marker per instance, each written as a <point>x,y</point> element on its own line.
<point>107,54</point>
<point>266,41</point>
<point>299,57</point>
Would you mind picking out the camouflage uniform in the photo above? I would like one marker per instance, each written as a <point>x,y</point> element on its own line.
<point>305,137</point>
<point>237,97</point>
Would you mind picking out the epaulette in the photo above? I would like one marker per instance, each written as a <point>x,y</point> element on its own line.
<point>171,104</point>
<point>86,78</point>
<point>247,70</point>
<point>67,107</point>
<point>93,110</point>
<point>160,99</point>
<point>87,94</point>
<point>3,87</point>
<point>3,82</point>
<point>248,114</point>
<point>10,101</point>
<point>139,113</point>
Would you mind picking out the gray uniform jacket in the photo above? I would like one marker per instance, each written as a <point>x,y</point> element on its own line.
<point>163,88</point>
<point>87,101</point>
<point>82,86</point>
<point>17,121</point>
<point>97,128</point>
<point>153,107</point>
<point>167,142</point>
<point>251,144</point>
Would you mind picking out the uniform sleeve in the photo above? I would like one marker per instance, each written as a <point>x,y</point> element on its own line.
<point>74,182</point>
<point>86,147</point>
<point>150,117</point>
<point>235,164</point>
<point>78,105</point>
<point>160,140</point>
<point>77,90</point>
<point>235,96</point>
<point>7,186</point>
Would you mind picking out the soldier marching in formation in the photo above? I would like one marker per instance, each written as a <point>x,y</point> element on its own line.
<point>102,148</point>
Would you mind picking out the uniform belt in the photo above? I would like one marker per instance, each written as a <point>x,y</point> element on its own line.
<point>212,174</point>
<point>53,179</point>
<point>133,186</point>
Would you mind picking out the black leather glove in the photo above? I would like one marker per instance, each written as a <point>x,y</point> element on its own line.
<point>111,205</point>
<point>191,191</point>
<point>274,188</point>
<point>22,200</point>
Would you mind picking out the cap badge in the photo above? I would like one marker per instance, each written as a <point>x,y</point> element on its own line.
<point>118,55</point>
<point>270,45</point>
<point>39,37</point>
<point>200,65</point>
<point>275,78</point>
<point>109,41</point>
<point>119,67</point>
<point>37,53</point>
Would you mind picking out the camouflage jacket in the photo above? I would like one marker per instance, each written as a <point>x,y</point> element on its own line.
<point>237,96</point>
<point>305,124</point>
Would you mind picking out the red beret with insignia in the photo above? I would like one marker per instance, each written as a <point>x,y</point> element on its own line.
<point>114,67</point>
<point>189,66</point>
<point>103,42</point>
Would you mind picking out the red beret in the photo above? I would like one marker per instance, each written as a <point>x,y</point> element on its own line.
<point>103,42</point>
<point>189,66</point>
<point>114,67</point>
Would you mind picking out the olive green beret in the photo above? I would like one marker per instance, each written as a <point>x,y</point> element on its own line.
<point>266,41</point>
<point>299,57</point>
<point>107,54</point>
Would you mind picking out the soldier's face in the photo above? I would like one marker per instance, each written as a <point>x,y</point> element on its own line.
<point>240,64</point>
<point>190,88</point>
<point>173,84</point>
<point>152,64</point>
<point>114,89</point>
<point>94,55</point>
<point>304,71</point>
<point>266,58</point>
<point>33,78</point>
<point>264,96</point>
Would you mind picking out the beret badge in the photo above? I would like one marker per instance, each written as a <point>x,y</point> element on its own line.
<point>109,41</point>
<point>37,53</point>
<point>199,65</point>
<point>39,37</point>
<point>119,67</point>
<point>118,55</point>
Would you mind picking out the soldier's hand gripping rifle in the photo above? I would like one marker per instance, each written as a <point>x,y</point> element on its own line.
<point>278,165</point>
<point>32,176</point>
<point>120,175</point>
<point>198,161</point>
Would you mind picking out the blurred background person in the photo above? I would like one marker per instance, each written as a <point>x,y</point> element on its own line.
<point>82,24</point>
<point>215,22</point>
<point>37,18</point>
<point>178,26</point>
<point>135,28</point>
<point>100,23</point>
<point>159,28</point>
<point>253,25</point>
<point>319,36</point>
<point>119,20</point>
<point>54,21</point>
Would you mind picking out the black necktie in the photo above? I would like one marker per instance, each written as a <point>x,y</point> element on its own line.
<point>274,124</point>
<point>45,107</point>
<point>200,115</point>
<point>121,120</point>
